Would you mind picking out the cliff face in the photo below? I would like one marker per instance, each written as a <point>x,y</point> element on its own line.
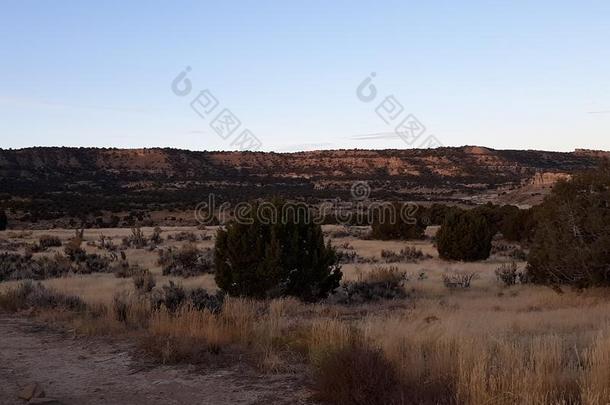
<point>124,178</point>
<point>448,163</point>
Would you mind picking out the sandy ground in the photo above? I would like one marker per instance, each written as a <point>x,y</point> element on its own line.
<point>93,371</point>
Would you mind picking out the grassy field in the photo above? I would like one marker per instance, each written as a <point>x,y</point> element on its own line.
<point>486,344</point>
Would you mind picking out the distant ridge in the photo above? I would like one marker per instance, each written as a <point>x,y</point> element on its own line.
<point>457,162</point>
<point>159,178</point>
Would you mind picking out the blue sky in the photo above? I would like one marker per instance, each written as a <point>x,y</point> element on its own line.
<point>503,74</point>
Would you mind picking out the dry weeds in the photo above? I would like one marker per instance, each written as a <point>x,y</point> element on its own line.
<point>488,344</point>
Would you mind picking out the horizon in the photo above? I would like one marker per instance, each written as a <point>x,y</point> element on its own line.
<point>135,148</point>
<point>297,77</point>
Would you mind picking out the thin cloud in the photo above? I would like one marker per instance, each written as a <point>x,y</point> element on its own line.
<point>378,135</point>
<point>599,112</point>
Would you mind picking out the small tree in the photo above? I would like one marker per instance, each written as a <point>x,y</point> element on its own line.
<point>436,213</point>
<point>3,220</point>
<point>572,239</point>
<point>515,224</point>
<point>464,235</point>
<point>144,281</point>
<point>519,225</point>
<point>286,256</point>
<point>393,224</point>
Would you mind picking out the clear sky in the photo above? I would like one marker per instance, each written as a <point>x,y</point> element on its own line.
<point>504,74</point>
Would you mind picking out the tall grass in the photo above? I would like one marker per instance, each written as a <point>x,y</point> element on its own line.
<point>499,368</point>
<point>537,348</point>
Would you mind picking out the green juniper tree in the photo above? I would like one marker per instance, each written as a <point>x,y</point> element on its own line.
<point>465,235</point>
<point>572,242</point>
<point>398,221</point>
<point>286,256</point>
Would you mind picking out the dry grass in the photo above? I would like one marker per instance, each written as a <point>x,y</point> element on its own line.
<point>488,344</point>
<point>358,375</point>
<point>174,335</point>
<point>547,353</point>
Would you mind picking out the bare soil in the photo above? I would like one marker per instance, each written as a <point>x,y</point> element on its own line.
<point>96,371</point>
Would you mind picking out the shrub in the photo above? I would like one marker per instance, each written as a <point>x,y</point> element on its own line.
<point>131,310</point>
<point>3,220</point>
<point>14,266</point>
<point>156,238</point>
<point>386,274</point>
<point>172,296</point>
<point>106,243</point>
<point>125,270</point>
<point>18,267</point>
<point>48,241</point>
<point>514,252</point>
<point>357,375</point>
<point>94,263</point>
<point>136,240</point>
<point>458,280</point>
<point>52,267</point>
<point>28,295</point>
<point>466,236</point>
<point>381,283</point>
<point>79,233</point>
<point>120,307</point>
<point>347,256</point>
<point>407,254</point>
<point>73,250</point>
<point>386,227</point>
<point>85,262</point>
<point>144,281</point>
<point>168,349</point>
<point>573,233</point>
<point>509,274</point>
<point>187,261</point>
<point>30,249</point>
<point>185,236</point>
<point>287,257</point>
<point>202,300</point>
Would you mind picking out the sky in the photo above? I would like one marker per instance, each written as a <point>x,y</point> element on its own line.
<point>302,75</point>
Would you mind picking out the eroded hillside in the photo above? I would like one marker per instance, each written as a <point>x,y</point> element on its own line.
<point>73,180</point>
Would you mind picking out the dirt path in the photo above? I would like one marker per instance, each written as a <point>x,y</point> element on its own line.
<point>92,371</point>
